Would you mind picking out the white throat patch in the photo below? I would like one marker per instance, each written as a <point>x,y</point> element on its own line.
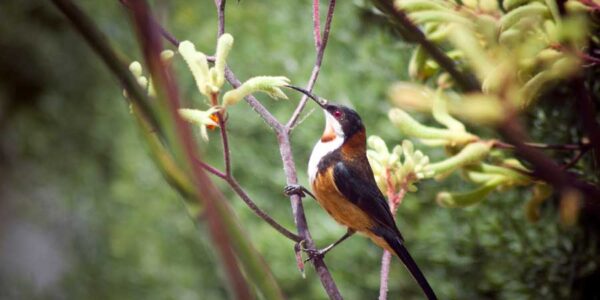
<point>323,148</point>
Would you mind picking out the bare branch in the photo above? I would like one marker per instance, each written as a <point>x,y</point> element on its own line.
<point>240,191</point>
<point>558,147</point>
<point>316,25</point>
<point>394,200</point>
<point>386,259</point>
<point>317,67</point>
<point>211,169</point>
<point>288,165</point>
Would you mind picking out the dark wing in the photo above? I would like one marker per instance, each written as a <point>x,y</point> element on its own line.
<point>357,183</point>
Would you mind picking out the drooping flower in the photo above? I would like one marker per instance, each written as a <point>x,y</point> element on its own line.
<point>202,118</point>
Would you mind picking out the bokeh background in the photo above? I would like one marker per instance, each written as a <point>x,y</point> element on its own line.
<point>85,214</point>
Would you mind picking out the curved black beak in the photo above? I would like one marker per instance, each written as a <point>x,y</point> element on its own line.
<point>320,101</point>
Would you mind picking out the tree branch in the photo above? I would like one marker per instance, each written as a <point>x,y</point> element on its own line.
<point>394,200</point>
<point>320,53</point>
<point>285,151</point>
<point>316,25</point>
<point>288,166</point>
<point>558,147</point>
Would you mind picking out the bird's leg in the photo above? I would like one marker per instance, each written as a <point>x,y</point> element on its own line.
<point>296,189</point>
<point>321,252</point>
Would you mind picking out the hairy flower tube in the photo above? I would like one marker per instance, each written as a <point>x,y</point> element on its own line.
<point>411,127</point>
<point>267,84</point>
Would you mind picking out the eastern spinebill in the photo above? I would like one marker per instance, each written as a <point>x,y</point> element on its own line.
<point>343,183</point>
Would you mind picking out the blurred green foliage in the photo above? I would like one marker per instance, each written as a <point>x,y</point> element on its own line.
<point>84,213</point>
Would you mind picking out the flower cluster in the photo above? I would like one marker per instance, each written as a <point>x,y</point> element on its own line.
<point>399,169</point>
<point>467,152</point>
<point>515,48</point>
<point>210,80</point>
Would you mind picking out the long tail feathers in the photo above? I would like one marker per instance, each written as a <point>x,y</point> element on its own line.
<point>411,265</point>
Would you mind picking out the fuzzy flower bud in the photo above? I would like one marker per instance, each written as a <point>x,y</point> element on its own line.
<point>223,47</point>
<point>411,127</point>
<point>136,69</point>
<point>197,63</point>
<point>266,84</point>
<point>167,55</point>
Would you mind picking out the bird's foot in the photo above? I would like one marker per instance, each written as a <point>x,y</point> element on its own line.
<point>294,189</point>
<point>314,253</point>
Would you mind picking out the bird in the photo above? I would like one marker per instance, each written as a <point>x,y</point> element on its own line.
<point>343,184</point>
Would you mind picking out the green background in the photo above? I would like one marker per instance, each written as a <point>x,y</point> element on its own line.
<point>85,214</point>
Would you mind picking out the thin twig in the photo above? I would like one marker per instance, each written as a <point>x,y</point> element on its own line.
<point>316,25</point>
<point>289,168</point>
<point>386,259</point>
<point>394,200</point>
<point>211,169</point>
<point>228,176</point>
<point>575,159</point>
<point>559,147</point>
<point>545,168</point>
<point>290,171</point>
<point>224,139</point>
<point>317,67</point>
<point>240,191</point>
<point>588,111</point>
<point>220,4</point>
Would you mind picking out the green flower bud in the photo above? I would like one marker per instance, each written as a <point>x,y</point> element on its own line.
<point>470,154</point>
<point>447,199</point>
<point>266,84</point>
<point>198,65</point>
<point>167,55</point>
<point>411,127</point>
<point>136,69</point>
<point>223,47</point>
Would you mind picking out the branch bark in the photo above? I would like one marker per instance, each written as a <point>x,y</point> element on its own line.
<point>394,200</point>
<point>320,46</point>
<point>289,167</point>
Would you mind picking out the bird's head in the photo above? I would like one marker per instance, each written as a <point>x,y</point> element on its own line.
<point>341,122</point>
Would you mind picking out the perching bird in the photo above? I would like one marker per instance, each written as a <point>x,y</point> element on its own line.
<point>344,185</point>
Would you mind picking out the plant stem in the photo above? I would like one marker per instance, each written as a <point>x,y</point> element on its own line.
<point>240,191</point>
<point>320,53</point>
<point>288,160</point>
<point>394,200</point>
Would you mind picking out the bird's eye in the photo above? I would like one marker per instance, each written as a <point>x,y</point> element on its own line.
<point>337,113</point>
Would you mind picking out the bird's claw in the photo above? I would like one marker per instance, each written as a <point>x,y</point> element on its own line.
<point>294,189</point>
<point>311,253</point>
